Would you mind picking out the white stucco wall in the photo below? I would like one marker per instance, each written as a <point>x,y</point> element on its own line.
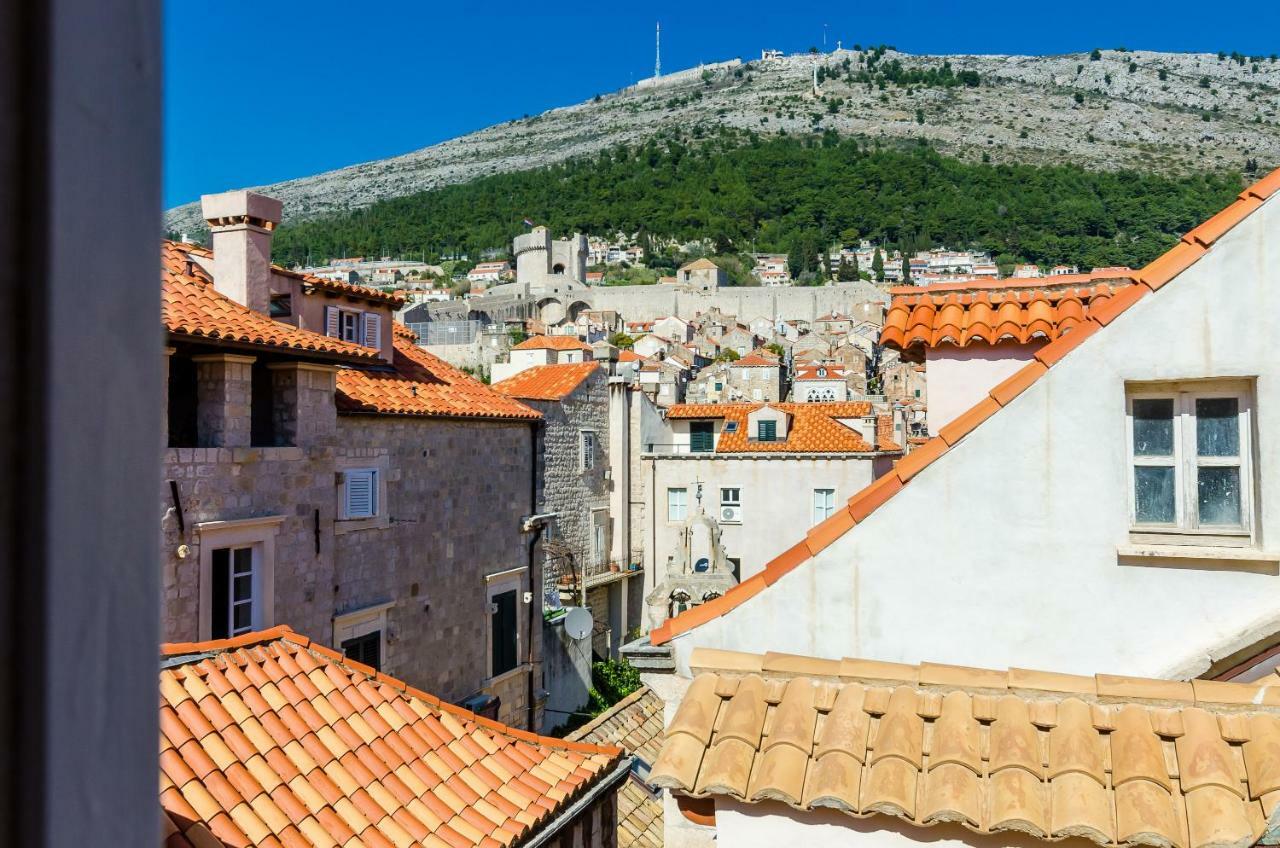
<point>959,377</point>
<point>1003,551</point>
<point>777,500</point>
<point>770,824</point>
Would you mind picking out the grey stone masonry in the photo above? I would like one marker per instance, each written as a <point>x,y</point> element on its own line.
<point>224,388</point>
<point>303,406</point>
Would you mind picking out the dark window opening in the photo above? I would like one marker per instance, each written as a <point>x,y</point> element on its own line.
<point>503,621</point>
<point>701,436</point>
<point>262,412</point>
<point>365,649</point>
<point>281,305</point>
<point>183,403</point>
<point>232,592</point>
<point>558,268</point>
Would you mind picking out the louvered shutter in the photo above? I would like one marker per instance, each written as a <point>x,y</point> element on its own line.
<point>372,330</point>
<point>360,496</point>
<point>331,321</point>
<point>701,437</point>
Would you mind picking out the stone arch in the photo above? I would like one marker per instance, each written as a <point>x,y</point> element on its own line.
<point>551,310</point>
<point>557,268</point>
<point>577,308</point>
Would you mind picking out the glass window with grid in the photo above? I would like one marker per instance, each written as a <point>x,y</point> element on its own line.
<point>677,504</point>
<point>236,604</point>
<point>1189,451</point>
<point>824,504</point>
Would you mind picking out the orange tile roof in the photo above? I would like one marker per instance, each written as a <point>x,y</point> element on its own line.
<point>834,371</point>
<point>977,284</point>
<point>193,308</point>
<point>813,427</point>
<point>1023,315</point>
<point>1117,760</point>
<point>629,356</point>
<point>1158,273</point>
<point>755,360</point>
<point>269,739</point>
<point>552,343</point>
<point>422,384</point>
<point>546,382</point>
<point>394,300</point>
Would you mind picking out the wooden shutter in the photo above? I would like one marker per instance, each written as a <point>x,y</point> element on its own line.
<point>372,330</point>
<point>701,437</point>
<point>504,632</point>
<point>360,494</point>
<point>768,431</point>
<point>365,649</point>
<point>331,321</point>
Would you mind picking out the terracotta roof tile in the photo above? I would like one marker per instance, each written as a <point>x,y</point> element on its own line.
<point>1013,312</point>
<point>192,307</point>
<point>546,382</point>
<point>939,743</point>
<point>552,343</point>
<point>917,322</point>
<point>332,797</point>
<point>419,383</point>
<point>393,299</point>
<point>813,427</point>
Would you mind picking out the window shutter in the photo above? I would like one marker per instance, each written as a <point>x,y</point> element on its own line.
<point>372,330</point>
<point>701,437</point>
<point>331,321</point>
<point>360,494</point>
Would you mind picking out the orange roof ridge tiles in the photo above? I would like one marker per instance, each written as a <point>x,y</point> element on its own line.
<point>755,360</point>
<point>270,739</point>
<point>552,343</point>
<point>192,307</point>
<point>1014,283</point>
<point>419,383</point>
<point>546,382</point>
<point>814,427</point>
<point>1050,755</point>
<point>1155,275</point>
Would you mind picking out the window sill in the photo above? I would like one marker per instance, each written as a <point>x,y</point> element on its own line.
<point>1240,556</point>
<point>350,525</point>
<point>505,676</point>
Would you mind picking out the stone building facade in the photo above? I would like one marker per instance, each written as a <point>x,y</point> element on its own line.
<point>373,497</point>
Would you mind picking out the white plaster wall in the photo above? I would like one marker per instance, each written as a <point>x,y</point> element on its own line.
<point>769,824</point>
<point>777,501</point>
<point>1003,551</point>
<point>959,377</point>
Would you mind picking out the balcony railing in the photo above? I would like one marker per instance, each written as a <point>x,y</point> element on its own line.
<point>673,448</point>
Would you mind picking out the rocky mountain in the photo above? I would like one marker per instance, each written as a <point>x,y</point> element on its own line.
<point>1164,112</point>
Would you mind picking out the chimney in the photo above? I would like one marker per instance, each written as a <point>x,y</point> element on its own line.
<point>241,223</point>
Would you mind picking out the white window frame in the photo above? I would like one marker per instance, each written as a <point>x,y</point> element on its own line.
<point>363,459</point>
<point>496,584</point>
<point>349,475</point>
<point>672,506</point>
<point>826,510</point>
<point>1187,529</point>
<point>588,443</point>
<point>257,533</point>
<point>735,501</point>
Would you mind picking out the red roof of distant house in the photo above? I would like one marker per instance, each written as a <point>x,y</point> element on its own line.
<point>755,360</point>
<point>422,384</point>
<point>1158,273</point>
<point>546,382</point>
<point>192,307</point>
<point>814,427</point>
<point>830,371</point>
<point>629,356</point>
<point>552,343</point>
<point>270,739</point>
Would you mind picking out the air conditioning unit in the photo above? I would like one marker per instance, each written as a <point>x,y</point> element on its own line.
<point>731,514</point>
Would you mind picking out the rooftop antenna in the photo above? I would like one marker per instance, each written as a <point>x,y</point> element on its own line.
<point>657,50</point>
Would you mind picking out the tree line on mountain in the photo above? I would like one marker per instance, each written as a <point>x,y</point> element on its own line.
<point>787,193</point>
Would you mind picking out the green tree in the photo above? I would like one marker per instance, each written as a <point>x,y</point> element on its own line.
<point>775,348</point>
<point>877,266</point>
<point>906,270</point>
<point>847,271</point>
<point>622,341</point>
<point>1095,55</point>
<point>727,355</point>
<point>517,335</point>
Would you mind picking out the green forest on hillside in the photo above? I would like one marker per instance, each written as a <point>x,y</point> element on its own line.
<point>789,193</point>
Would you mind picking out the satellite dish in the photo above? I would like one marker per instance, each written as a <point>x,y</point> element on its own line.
<point>578,622</point>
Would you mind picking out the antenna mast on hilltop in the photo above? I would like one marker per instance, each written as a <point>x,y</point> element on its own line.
<point>657,50</point>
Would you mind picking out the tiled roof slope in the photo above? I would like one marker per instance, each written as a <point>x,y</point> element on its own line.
<point>1117,760</point>
<point>1006,284</point>
<point>546,382</point>
<point>635,725</point>
<point>422,384</point>
<point>814,427</point>
<point>932,320</point>
<point>192,307</point>
<point>552,343</point>
<point>755,360</point>
<point>394,300</point>
<point>1150,280</point>
<point>269,739</point>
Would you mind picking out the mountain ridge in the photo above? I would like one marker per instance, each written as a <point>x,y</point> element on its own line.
<point>1144,110</point>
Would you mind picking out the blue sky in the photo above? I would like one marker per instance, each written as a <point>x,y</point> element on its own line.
<point>261,92</point>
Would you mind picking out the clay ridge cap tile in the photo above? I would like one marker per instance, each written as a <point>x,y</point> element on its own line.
<point>879,671</point>
<point>968,421</point>
<point>923,456</point>
<point>1217,226</point>
<point>1052,681</point>
<point>1170,264</point>
<point>1112,687</point>
<point>1265,187</point>
<point>718,660</point>
<point>797,665</point>
<point>941,674</point>
<point>1018,382</point>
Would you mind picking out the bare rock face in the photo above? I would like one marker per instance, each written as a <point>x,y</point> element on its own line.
<point>1156,112</point>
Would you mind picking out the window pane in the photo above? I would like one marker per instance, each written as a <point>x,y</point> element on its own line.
<point>1217,426</point>
<point>244,560</point>
<point>1218,492</point>
<point>1153,426</point>
<point>243,617</point>
<point>1154,495</point>
<point>242,590</point>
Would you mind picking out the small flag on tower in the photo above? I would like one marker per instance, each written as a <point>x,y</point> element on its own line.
<point>528,223</point>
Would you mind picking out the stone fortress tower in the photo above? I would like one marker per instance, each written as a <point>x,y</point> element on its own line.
<point>547,265</point>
